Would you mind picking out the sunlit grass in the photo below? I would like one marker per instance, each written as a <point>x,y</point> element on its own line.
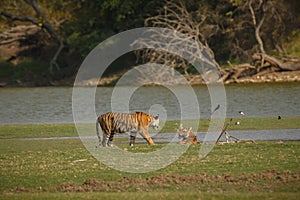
<point>156,195</point>
<point>45,163</point>
<point>59,130</point>
<point>37,130</point>
<point>34,164</point>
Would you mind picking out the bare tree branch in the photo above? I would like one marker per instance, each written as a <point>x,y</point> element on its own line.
<point>47,26</point>
<point>19,18</point>
<point>188,39</point>
<point>258,26</point>
<point>34,5</point>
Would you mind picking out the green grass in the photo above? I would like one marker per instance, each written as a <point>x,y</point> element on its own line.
<point>37,164</point>
<point>34,164</point>
<point>37,130</point>
<point>56,130</point>
<point>154,195</point>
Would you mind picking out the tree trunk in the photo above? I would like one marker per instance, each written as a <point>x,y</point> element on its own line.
<point>47,26</point>
<point>291,66</point>
<point>258,27</point>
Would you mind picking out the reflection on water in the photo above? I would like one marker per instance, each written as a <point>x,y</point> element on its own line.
<point>54,105</point>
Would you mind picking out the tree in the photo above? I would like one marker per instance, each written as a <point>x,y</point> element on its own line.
<point>257,24</point>
<point>195,26</point>
<point>18,11</point>
<point>269,21</point>
<point>228,30</point>
<point>260,26</point>
<point>99,19</point>
<point>77,26</point>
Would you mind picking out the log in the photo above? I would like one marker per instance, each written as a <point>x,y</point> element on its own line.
<point>294,66</point>
<point>239,71</point>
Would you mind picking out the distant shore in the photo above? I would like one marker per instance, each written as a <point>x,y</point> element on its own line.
<point>273,77</point>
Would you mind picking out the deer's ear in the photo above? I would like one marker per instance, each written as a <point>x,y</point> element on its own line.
<point>190,129</point>
<point>181,126</point>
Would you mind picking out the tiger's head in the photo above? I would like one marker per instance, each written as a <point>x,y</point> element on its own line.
<point>154,122</point>
<point>184,132</point>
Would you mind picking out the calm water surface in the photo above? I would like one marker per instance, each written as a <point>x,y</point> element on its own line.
<point>54,105</point>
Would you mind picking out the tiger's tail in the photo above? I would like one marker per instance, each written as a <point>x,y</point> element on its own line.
<point>97,131</point>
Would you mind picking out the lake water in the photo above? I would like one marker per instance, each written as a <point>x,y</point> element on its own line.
<point>54,104</point>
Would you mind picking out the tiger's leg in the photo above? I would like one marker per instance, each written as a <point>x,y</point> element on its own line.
<point>110,139</point>
<point>145,134</point>
<point>149,140</point>
<point>97,132</point>
<point>105,139</point>
<point>132,139</point>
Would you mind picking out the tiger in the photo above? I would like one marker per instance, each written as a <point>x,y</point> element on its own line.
<point>137,122</point>
<point>186,135</point>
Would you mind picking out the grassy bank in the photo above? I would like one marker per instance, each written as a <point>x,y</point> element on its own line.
<point>156,195</point>
<point>48,168</point>
<point>35,169</point>
<point>57,130</point>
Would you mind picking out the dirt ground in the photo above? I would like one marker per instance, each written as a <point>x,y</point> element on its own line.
<point>264,181</point>
<point>287,76</point>
<point>272,77</point>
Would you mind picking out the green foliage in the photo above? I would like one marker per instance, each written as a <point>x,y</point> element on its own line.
<point>97,20</point>
<point>6,70</point>
<point>236,2</point>
<point>292,45</point>
<point>84,24</point>
<point>26,70</point>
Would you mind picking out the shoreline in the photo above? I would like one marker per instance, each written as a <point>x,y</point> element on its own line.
<point>274,77</point>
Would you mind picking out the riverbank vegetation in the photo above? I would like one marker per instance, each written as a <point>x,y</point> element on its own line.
<point>44,43</point>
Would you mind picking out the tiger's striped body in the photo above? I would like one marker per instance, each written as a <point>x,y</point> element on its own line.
<point>138,122</point>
